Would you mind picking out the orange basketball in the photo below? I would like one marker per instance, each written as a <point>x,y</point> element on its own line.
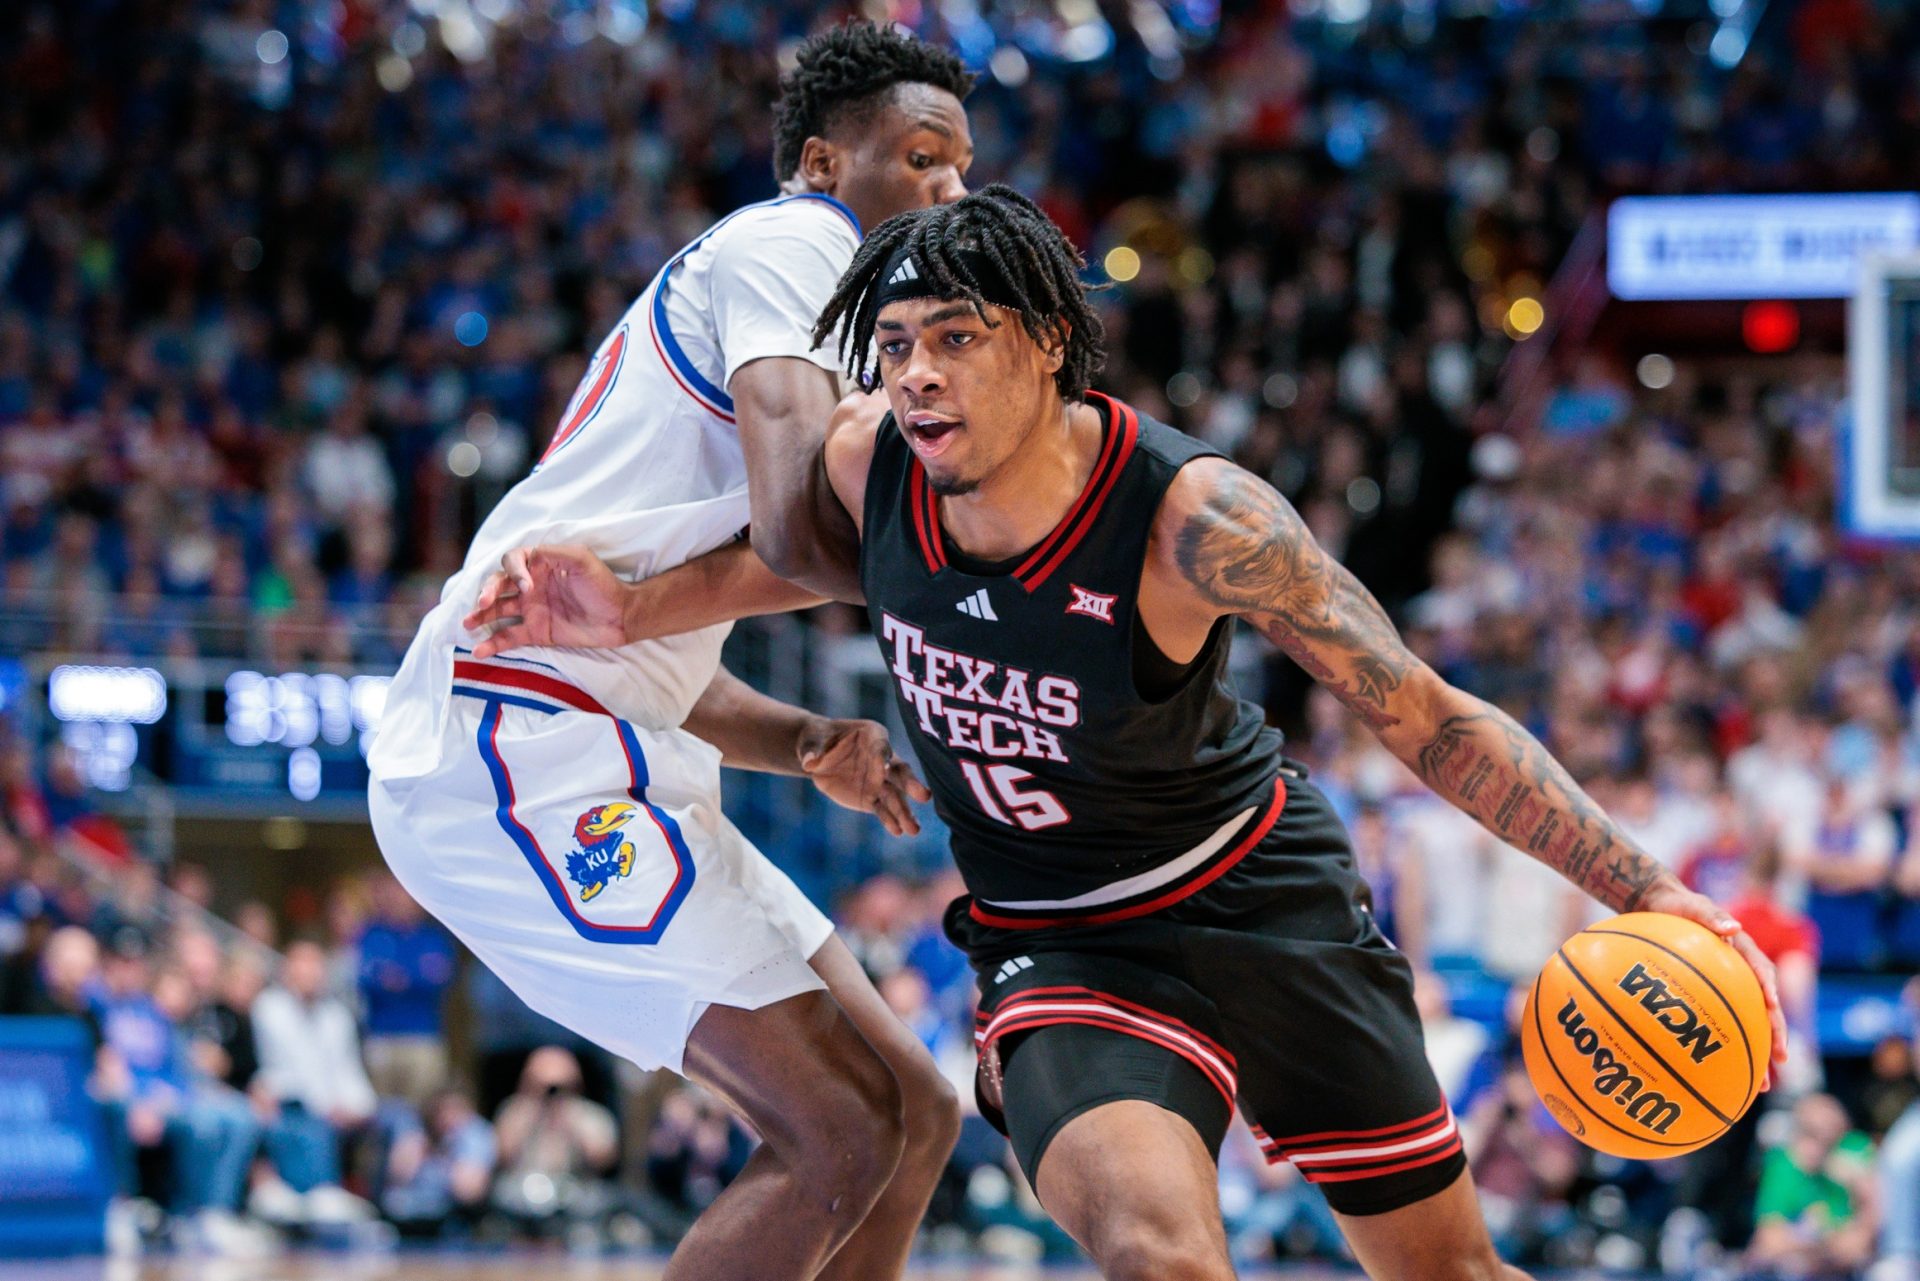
<point>1646,1036</point>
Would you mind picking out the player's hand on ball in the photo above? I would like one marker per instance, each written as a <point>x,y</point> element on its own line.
<point>852,763</point>
<point>1670,896</point>
<point>561,595</point>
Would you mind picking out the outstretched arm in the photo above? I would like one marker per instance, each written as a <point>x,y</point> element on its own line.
<point>1240,548</point>
<point>850,761</point>
<point>565,595</point>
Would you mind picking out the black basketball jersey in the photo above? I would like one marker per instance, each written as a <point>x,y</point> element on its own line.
<point>1071,796</point>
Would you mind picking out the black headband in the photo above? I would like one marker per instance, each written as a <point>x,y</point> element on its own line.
<point>907,277</point>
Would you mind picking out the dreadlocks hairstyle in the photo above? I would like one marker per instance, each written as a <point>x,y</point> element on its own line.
<point>844,74</point>
<point>1038,269</point>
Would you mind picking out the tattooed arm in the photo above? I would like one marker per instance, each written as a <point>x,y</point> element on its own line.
<point>1226,543</point>
<point>1242,549</point>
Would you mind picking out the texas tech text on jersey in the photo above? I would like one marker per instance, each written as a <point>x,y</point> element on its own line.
<point>991,709</point>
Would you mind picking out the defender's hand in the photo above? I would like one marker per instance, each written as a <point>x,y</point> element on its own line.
<point>561,595</point>
<point>852,763</point>
<point>1668,895</point>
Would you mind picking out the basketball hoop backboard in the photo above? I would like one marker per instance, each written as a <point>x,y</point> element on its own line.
<point>1880,449</point>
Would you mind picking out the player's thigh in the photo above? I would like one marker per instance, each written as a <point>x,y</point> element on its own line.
<point>1439,1238</point>
<point>1119,1136</point>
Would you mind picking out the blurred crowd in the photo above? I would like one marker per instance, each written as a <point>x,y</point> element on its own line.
<point>290,291</point>
<point>255,1088</point>
<point>293,289</point>
<point>335,1071</point>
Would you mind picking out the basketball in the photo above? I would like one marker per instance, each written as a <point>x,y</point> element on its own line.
<point>1646,1036</point>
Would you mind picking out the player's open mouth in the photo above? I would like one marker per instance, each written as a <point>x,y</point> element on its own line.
<point>929,433</point>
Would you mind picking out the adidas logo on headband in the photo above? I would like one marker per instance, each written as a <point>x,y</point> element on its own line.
<point>903,273</point>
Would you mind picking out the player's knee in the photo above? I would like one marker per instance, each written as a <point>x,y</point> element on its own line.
<point>848,1163</point>
<point>846,1127</point>
<point>863,1126</point>
<point>1138,1248</point>
<point>931,1110</point>
<point>881,1101</point>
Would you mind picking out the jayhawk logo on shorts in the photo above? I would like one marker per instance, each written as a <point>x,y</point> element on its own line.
<point>603,853</point>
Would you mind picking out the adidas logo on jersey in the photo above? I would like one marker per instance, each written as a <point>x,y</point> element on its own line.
<point>978,606</point>
<point>903,273</point>
<point>1011,968</point>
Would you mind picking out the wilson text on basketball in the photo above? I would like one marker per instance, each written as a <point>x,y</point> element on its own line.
<point>1649,1109</point>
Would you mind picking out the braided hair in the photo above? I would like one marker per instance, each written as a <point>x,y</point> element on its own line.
<point>1038,265</point>
<point>844,73</point>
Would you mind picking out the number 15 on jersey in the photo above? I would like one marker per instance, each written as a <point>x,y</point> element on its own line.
<point>1032,809</point>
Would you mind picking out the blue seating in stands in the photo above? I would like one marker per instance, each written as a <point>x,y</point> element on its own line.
<point>1903,936</point>
<point>1856,1010</point>
<point>1850,932</point>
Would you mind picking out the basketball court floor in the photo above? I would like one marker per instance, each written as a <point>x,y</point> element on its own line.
<point>509,1266</point>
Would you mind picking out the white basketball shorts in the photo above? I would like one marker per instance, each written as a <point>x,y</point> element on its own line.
<point>585,860</point>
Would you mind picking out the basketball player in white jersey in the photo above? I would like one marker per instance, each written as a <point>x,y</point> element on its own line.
<point>559,809</point>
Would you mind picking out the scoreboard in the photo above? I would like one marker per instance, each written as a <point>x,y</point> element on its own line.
<point>212,732</point>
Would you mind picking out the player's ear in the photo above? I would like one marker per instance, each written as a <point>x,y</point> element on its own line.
<point>1053,351</point>
<point>820,164</point>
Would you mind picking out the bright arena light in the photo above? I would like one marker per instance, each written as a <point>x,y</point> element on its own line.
<point>1122,263</point>
<point>303,774</point>
<point>1525,316</point>
<point>271,709</point>
<point>137,695</point>
<point>1009,66</point>
<point>393,72</point>
<point>367,695</point>
<point>463,459</point>
<point>106,752</point>
<point>1654,371</point>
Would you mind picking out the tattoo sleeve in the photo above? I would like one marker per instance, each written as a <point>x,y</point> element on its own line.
<point>1247,552</point>
<point>1485,763</point>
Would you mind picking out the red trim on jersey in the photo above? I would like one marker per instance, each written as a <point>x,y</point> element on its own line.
<point>1122,435</point>
<point>1349,1158</point>
<point>673,373</point>
<point>1325,1138</point>
<point>1116,447</point>
<point>1114,1023</point>
<point>982,1018</point>
<point>926,519</point>
<point>1052,1006</point>
<point>590,403</point>
<point>1109,445</point>
<point>1425,1140</point>
<point>1399,1167</point>
<point>464,669</point>
<point>1213,872</point>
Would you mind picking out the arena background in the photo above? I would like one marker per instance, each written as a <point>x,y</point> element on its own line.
<point>292,290</point>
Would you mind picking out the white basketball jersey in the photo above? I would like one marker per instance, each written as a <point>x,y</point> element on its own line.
<point>645,467</point>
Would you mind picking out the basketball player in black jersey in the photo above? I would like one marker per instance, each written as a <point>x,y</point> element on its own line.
<point>1163,912</point>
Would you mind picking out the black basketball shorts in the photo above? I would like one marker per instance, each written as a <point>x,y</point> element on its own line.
<point>1270,990</point>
